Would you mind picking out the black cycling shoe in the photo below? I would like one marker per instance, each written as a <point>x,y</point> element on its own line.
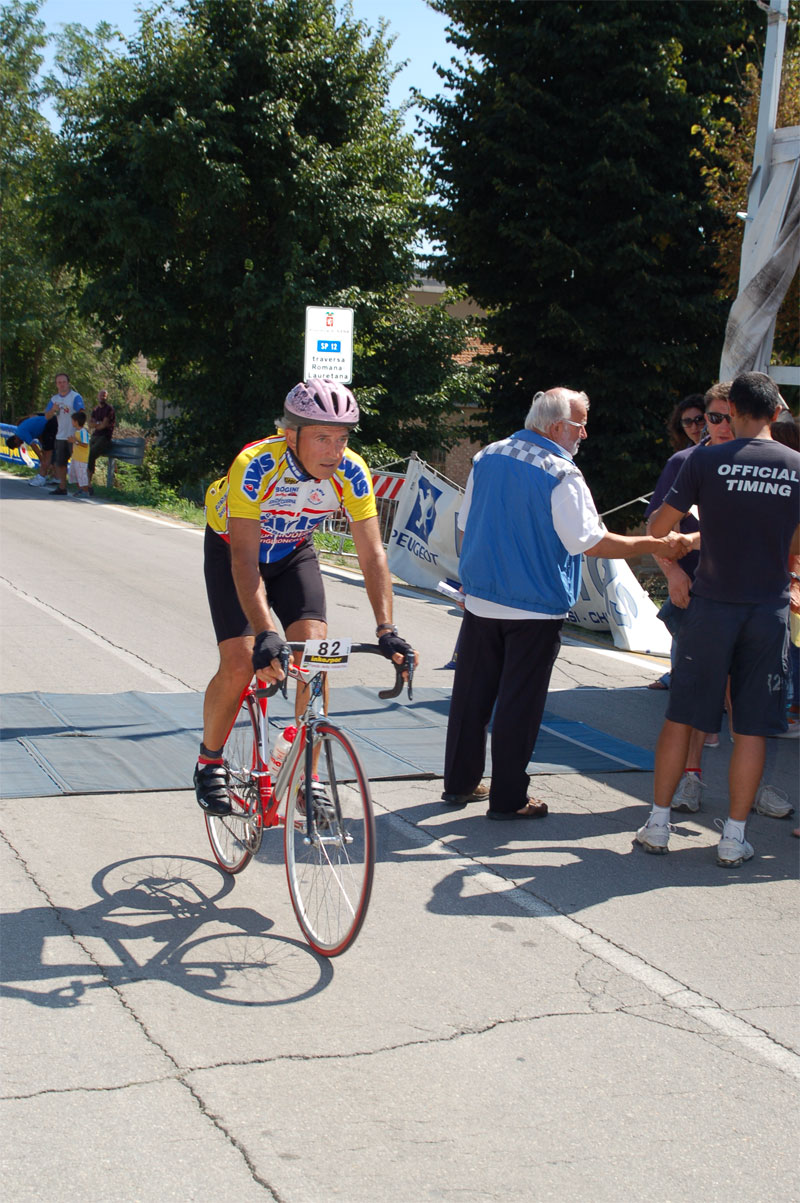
<point>211,788</point>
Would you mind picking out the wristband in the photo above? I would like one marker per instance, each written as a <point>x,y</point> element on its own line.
<point>390,643</point>
<point>388,627</point>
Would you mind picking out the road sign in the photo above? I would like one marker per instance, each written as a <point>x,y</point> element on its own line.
<point>329,344</point>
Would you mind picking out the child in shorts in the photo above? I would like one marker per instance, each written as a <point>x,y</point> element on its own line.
<point>79,463</point>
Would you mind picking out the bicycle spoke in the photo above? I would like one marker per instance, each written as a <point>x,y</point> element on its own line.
<point>330,871</point>
<point>236,837</point>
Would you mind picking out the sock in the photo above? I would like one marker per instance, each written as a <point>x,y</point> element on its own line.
<point>208,757</point>
<point>733,830</point>
<point>660,814</point>
<point>697,772</point>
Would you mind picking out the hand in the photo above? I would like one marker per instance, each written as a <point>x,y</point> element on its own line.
<point>679,585</point>
<point>396,649</point>
<point>267,648</point>
<point>674,546</point>
<point>794,597</point>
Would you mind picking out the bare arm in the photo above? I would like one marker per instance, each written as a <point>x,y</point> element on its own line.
<point>626,547</point>
<point>665,519</point>
<point>678,581</point>
<point>372,561</point>
<point>245,535</point>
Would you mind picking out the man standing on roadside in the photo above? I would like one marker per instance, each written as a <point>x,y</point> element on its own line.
<point>527,517</point>
<point>101,429</point>
<point>747,491</point>
<point>680,574</point>
<point>63,404</point>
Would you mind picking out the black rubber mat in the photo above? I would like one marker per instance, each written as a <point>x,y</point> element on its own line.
<point>120,743</point>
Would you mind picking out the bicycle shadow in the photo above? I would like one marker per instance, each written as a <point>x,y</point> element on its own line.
<point>151,923</point>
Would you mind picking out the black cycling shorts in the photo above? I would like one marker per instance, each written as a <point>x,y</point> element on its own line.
<point>294,588</point>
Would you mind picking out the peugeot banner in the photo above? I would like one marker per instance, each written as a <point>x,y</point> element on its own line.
<point>422,545</point>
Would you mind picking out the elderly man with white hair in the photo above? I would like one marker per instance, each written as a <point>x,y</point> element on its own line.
<point>527,518</point>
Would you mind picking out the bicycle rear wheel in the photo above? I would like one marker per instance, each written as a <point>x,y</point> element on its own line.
<point>330,872</point>
<point>236,837</point>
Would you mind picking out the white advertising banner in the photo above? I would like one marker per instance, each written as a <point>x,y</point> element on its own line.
<point>422,551</point>
<point>611,599</point>
<point>422,545</point>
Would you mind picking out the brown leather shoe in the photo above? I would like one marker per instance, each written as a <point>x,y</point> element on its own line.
<point>531,810</point>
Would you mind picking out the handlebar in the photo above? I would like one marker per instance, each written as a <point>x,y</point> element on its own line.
<point>406,667</point>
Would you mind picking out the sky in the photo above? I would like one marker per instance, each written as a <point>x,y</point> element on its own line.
<point>419,31</point>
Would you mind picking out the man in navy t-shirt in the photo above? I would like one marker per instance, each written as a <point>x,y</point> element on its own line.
<point>748,495</point>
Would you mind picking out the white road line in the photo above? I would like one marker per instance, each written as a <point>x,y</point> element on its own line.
<point>165,680</point>
<point>668,989</point>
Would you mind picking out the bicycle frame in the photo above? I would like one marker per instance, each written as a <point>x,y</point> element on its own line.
<point>270,793</point>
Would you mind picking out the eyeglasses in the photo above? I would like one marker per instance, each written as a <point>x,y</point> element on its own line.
<point>698,421</point>
<point>715,418</point>
<point>581,425</point>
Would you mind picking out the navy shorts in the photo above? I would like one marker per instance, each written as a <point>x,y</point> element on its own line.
<point>294,588</point>
<point>748,642</point>
<point>62,450</point>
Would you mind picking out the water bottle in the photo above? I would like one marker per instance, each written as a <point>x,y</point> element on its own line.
<point>280,748</point>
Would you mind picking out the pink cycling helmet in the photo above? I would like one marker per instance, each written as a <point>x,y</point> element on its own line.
<point>320,403</point>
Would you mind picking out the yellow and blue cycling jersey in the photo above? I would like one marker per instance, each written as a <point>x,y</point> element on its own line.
<point>266,482</point>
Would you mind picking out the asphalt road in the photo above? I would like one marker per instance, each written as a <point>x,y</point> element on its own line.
<point>546,1014</point>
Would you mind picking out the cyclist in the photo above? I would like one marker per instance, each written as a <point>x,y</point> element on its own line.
<point>259,555</point>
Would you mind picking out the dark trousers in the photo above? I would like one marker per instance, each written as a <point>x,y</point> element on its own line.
<point>99,444</point>
<point>505,664</point>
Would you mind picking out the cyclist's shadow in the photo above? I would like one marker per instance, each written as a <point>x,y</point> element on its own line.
<point>145,926</point>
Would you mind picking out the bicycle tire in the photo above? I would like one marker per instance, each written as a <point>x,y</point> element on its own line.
<point>236,837</point>
<point>330,876</point>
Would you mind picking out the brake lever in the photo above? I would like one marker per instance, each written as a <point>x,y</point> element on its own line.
<point>406,667</point>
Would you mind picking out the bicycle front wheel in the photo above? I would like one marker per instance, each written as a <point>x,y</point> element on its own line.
<point>236,837</point>
<point>330,868</point>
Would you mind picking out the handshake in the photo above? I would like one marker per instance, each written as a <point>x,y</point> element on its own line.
<point>675,545</point>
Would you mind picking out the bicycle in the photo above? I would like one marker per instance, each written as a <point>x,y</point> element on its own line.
<point>321,797</point>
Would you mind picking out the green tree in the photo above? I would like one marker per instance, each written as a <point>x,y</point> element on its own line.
<point>42,330</point>
<point>237,164</point>
<point>573,210</point>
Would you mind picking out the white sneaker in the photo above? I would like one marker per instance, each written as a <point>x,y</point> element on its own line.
<point>730,851</point>
<point>654,837</point>
<point>772,802</point>
<point>37,482</point>
<point>687,795</point>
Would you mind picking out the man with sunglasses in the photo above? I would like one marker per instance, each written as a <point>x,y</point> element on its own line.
<point>747,491</point>
<point>680,573</point>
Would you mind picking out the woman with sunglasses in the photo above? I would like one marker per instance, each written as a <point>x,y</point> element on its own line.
<point>686,422</point>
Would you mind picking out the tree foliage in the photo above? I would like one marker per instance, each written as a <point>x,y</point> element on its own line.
<point>238,163</point>
<point>42,330</point>
<point>573,210</point>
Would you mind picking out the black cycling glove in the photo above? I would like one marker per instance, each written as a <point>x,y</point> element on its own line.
<point>390,643</point>
<point>268,647</point>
